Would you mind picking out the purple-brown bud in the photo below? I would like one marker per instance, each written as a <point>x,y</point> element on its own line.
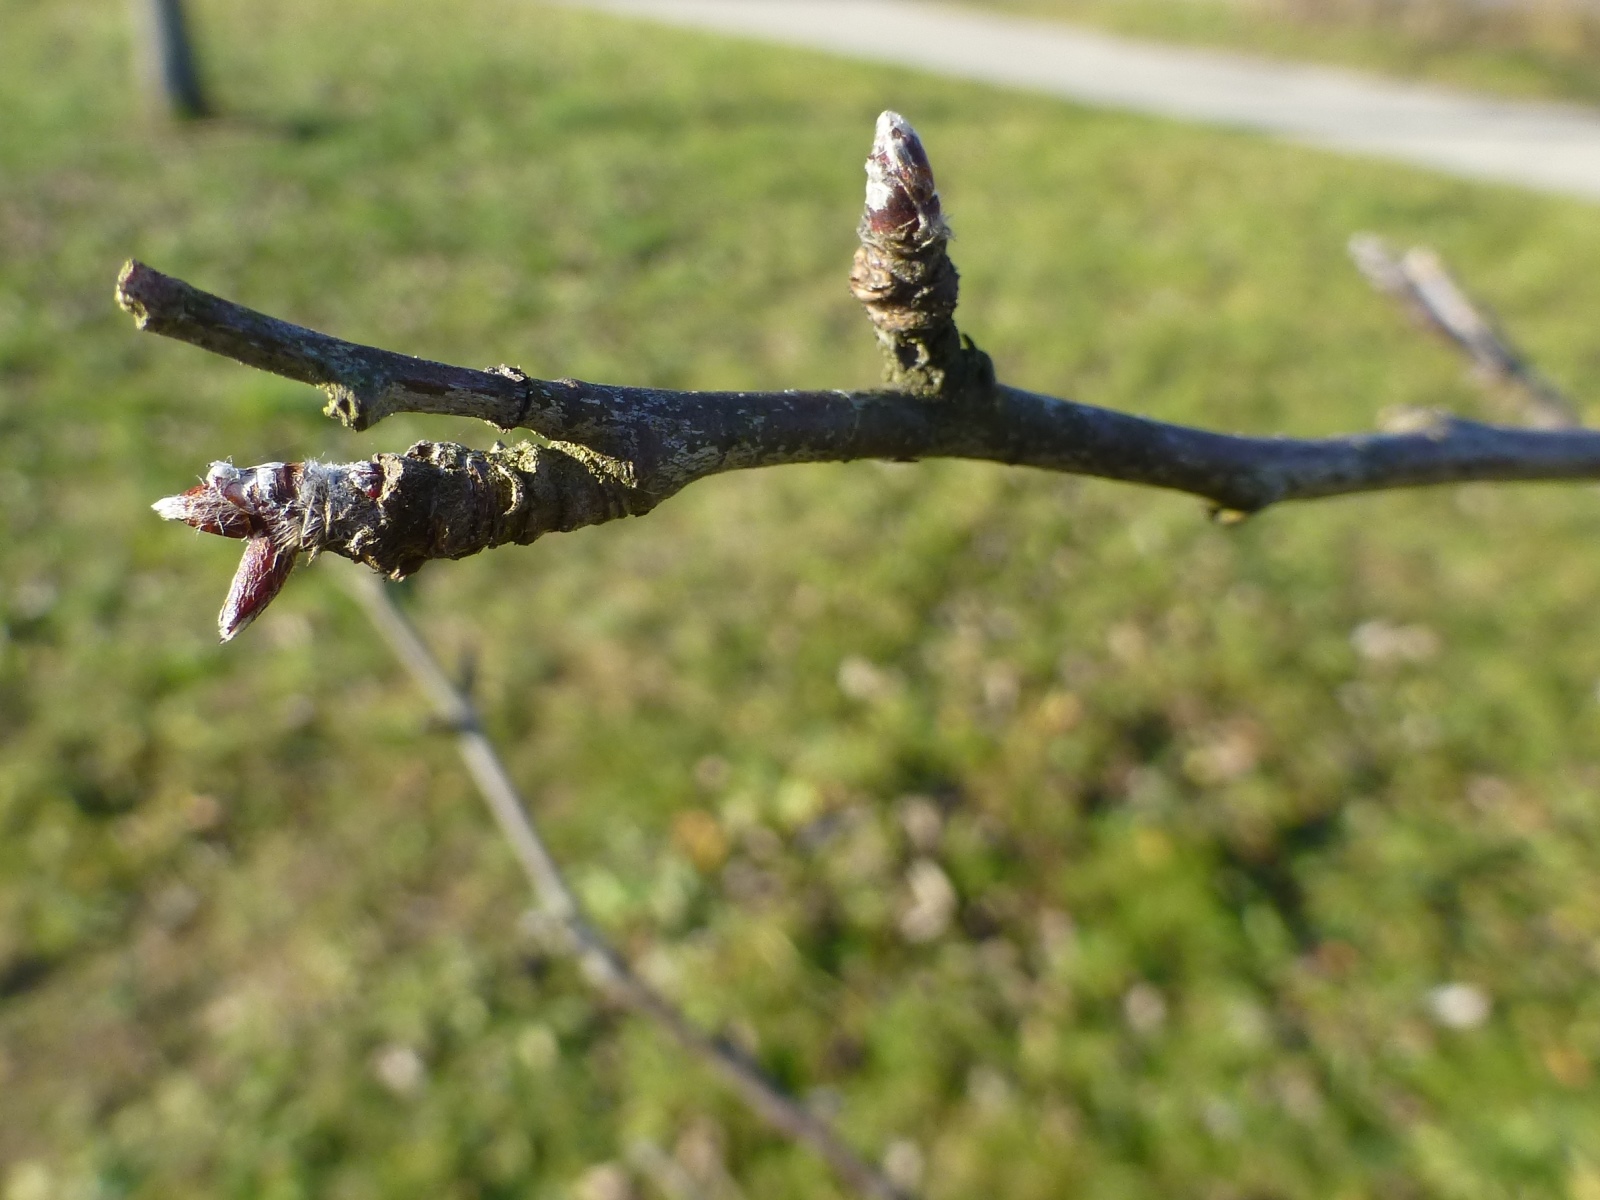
<point>209,512</point>
<point>263,570</point>
<point>279,509</point>
<point>902,271</point>
<point>902,201</point>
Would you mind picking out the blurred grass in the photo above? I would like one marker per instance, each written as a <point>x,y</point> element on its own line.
<point>1547,49</point>
<point>1220,808</point>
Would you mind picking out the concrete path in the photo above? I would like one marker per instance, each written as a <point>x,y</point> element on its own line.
<point>1547,147</point>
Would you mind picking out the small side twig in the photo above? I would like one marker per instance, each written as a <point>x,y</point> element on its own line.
<point>1421,282</point>
<point>601,965</point>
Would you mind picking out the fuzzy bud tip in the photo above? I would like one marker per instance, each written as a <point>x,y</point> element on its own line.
<point>902,200</point>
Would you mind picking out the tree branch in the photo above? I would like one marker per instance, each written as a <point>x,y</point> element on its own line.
<point>601,965</point>
<point>1423,285</point>
<point>618,451</point>
<point>363,384</point>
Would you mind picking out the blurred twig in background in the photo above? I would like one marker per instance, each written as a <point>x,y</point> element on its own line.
<point>1420,281</point>
<point>571,931</point>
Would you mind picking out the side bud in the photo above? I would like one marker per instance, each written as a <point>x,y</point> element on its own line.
<point>903,275</point>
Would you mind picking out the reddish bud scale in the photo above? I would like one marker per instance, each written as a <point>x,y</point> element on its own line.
<point>266,508</point>
<point>208,512</point>
<point>262,572</point>
<point>261,491</point>
<point>902,200</point>
<point>277,508</point>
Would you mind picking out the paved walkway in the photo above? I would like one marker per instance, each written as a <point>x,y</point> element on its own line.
<point>1547,147</point>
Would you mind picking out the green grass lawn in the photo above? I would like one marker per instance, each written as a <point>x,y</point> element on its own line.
<point>1547,49</point>
<point>1221,806</point>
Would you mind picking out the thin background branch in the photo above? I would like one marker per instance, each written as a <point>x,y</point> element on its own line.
<point>1424,286</point>
<point>601,965</point>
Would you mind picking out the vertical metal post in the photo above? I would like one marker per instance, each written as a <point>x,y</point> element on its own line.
<point>165,60</point>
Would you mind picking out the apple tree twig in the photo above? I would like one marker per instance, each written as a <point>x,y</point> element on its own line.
<point>611,451</point>
<point>600,964</point>
<point>1424,286</point>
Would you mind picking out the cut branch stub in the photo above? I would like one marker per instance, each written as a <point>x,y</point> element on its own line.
<point>903,274</point>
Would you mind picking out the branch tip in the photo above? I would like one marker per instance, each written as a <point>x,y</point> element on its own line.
<point>127,292</point>
<point>1420,281</point>
<point>364,384</point>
